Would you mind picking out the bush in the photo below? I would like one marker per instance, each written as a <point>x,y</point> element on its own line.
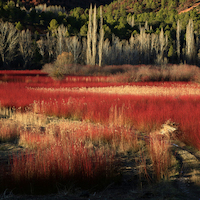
<point>61,66</point>
<point>165,73</point>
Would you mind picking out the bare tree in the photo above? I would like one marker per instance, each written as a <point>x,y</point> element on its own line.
<point>50,46</point>
<point>145,46</point>
<point>131,20</point>
<point>61,33</point>
<point>106,51</point>
<point>133,50</point>
<point>178,31</point>
<point>101,37</point>
<point>94,36</point>
<point>41,46</point>
<point>75,47</point>
<point>9,39</point>
<point>190,43</point>
<point>26,47</point>
<point>89,37</point>
<point>163,41</point>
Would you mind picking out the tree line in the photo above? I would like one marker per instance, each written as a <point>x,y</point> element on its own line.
<point>21,49</point>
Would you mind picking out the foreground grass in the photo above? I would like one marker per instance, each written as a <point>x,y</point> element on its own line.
<point>75,138</point>
<point>60,151</point>
<point>59,156</point>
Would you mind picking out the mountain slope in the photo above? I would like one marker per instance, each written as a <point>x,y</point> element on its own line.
<point>133,6</point>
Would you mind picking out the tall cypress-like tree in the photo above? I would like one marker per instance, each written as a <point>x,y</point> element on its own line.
<point>101,37</point>
<point>89,37</point>
<point>178,31</point>
<point>94,36</point>
<point>190,43</point>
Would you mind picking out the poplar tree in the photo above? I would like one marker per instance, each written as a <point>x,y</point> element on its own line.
<point>26,47</point>
<point>190,43</point>
<point>89,37</point>
<point>101,37</point>
<point>75,47</point>
<point>60,34</point>
<point>50,45</point>
<point>163,41</point>
<point>178,31</point>
<point>94,37</point>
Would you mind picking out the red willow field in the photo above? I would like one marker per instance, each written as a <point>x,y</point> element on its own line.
<point>63,152</point>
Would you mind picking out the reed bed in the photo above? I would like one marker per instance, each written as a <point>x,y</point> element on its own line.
<point>64,152</point>
<point>70,132</point>
<point>144,112</point>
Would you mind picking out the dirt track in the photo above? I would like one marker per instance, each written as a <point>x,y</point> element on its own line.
<point>190,8</point>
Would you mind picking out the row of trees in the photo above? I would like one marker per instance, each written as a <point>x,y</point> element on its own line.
<point>121,18</point>
<point>20,49</point>
<point>16,48</point>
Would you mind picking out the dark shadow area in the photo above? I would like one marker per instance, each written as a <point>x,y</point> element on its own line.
<point>78,3</point>
<point>68,4</point>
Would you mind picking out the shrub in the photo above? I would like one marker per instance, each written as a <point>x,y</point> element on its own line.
<point>164,73</point>
<point>61,66</point>
<point>183,72</point>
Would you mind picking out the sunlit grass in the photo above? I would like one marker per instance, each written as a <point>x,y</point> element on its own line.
<point>78,135</point>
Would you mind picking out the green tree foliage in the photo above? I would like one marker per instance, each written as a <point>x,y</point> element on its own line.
<point>19,26</point>
<point>83,30</point>
<point>53,25</point>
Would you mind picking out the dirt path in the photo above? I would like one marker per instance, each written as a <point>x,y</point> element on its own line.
<point>189,176</point>
<point>190,8</point>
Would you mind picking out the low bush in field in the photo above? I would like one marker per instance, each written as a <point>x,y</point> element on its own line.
<point>129,73</point>
<point>61,66</point>
<point>165,73</point>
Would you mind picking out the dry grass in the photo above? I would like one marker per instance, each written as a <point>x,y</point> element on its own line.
<point>176,90</point>
<point>126,73</point>
<point>49,137</point>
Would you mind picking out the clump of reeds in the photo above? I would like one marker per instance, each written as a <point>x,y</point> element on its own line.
<point>159,149</point>
<point>8,131</point>
<point>61,164</point>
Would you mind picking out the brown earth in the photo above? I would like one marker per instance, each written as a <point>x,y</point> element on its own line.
<point>190,8</point>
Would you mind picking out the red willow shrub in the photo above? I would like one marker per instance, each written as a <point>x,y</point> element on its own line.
<point>143,112</point>
<point>61,163</point>
<point>67,152</point>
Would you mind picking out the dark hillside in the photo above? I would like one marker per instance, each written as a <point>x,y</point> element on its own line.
<point>68,4</point>
<point>129,5</point>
